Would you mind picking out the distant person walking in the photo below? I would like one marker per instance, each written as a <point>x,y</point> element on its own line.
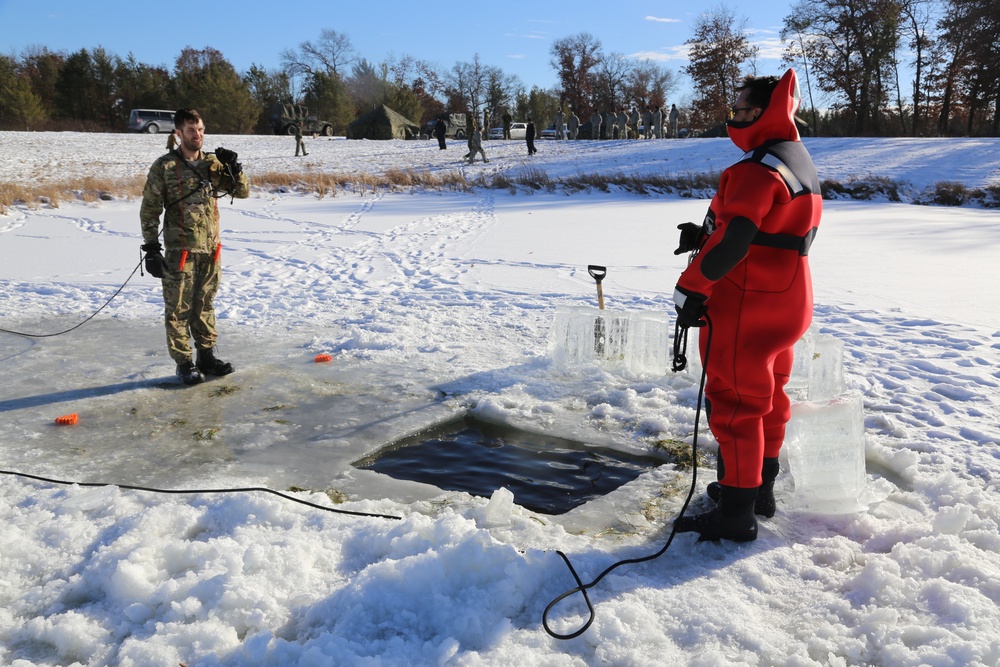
<point>557,123</point>
<point>573,125</point>
<point>529,137</point>
<point>440,132</point>
<point>185,185</point>
<point>658,123</point>
<point>647,123</point>
<point>633,119</point>
<point>470,125</point>
<point>622,124</point>
<point>673,118</point>
<point>506,124</point>
<point>476,145</point>
<point>299,144</point>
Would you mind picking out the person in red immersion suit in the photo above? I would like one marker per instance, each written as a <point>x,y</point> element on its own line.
<point>750,277</point>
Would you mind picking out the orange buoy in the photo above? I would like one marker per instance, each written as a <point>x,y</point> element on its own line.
<point>68,420</point>
<point>323,358</point>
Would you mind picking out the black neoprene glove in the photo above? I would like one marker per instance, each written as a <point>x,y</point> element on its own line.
<point>156,266</point>
<point>691,238</point>
<point>690,307</point>
<point>228,158</point>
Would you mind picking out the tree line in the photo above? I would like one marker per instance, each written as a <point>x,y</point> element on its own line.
<point>867,67</point>
<point>879,67</point>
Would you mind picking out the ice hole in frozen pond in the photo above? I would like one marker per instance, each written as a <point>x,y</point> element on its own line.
<point>546,474</point>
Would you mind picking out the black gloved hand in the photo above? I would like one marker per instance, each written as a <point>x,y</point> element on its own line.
<point>690,307</point>
<point>692,236</point>
<point>156,266</point>
<point>228,159</point>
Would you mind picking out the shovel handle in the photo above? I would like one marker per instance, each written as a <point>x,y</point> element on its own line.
<point>598,273</point>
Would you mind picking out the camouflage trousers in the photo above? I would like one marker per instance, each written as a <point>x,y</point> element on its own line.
<point>189,303</point>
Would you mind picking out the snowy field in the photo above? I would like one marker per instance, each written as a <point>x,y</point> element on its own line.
<point>436,304</point>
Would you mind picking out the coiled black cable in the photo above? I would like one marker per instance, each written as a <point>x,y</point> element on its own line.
<point>679,363</point>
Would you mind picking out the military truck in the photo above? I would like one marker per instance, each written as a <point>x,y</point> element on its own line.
<point>284,118</point>
<point>454,124</point>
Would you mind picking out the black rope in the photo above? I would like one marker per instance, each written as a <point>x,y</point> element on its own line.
<point>200,491</point>
<point>582,587</point>
<point>60,333</point>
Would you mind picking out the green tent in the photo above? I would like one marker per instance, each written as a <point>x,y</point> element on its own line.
<point>383,123</point>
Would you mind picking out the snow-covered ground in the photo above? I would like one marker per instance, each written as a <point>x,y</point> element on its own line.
<point>437,303</point>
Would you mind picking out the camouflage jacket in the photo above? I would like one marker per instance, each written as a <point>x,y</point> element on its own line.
<point>185,191</point>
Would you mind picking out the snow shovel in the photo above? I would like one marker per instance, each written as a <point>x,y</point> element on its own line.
<point>600,336</point>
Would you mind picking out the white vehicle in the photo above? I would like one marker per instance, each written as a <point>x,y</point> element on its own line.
<point>517,131</point>
<point>550,131</point>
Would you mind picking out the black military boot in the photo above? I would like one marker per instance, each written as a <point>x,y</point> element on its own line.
<point>189,374</point>
<point>210,365</point>
<point>765,505</point>
<point>733,518</point>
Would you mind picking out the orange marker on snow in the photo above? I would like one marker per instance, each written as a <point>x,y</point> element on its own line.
<point>68,420</point>
<point>323,358</point>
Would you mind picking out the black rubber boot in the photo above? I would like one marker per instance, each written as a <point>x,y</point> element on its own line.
<point>714,489</point>
<point>733,519</point>
<point>210,365</point>
<point>189,374</point>
<point>765,505</point>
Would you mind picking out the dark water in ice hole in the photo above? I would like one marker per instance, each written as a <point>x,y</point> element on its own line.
<point>546,474</point>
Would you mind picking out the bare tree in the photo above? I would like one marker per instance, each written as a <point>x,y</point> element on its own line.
<point>917,16</point>
<point>575,60</point>
<point>649,84</point>
<point>331,54</point>
<point>852,45</point>
<point>467,82</point>
<point>610,79</point>
<point>501,90</point>
<point>971,35</point>
<point>720,50</point>
<point>791,57</point>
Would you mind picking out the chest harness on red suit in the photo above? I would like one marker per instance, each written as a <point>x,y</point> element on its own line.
<point>792,163</point>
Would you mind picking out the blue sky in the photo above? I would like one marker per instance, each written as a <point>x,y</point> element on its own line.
<point>512,34</point>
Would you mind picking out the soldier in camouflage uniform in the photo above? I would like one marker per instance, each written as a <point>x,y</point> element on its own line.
<point>298,141</point>
<point>185,185</point>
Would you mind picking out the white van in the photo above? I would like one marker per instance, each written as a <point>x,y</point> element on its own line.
<point>151,121</point>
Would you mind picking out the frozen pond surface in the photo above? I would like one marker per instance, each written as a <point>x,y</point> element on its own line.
<point>432,303</point>
<point>281,419</point>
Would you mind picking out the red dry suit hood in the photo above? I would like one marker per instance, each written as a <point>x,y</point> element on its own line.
<point>776,122</point>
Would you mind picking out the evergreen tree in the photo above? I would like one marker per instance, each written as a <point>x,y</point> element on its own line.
<point>268,88</point>
<point>326,97</point>
<point>19,105</point>
<point>206,81</point>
